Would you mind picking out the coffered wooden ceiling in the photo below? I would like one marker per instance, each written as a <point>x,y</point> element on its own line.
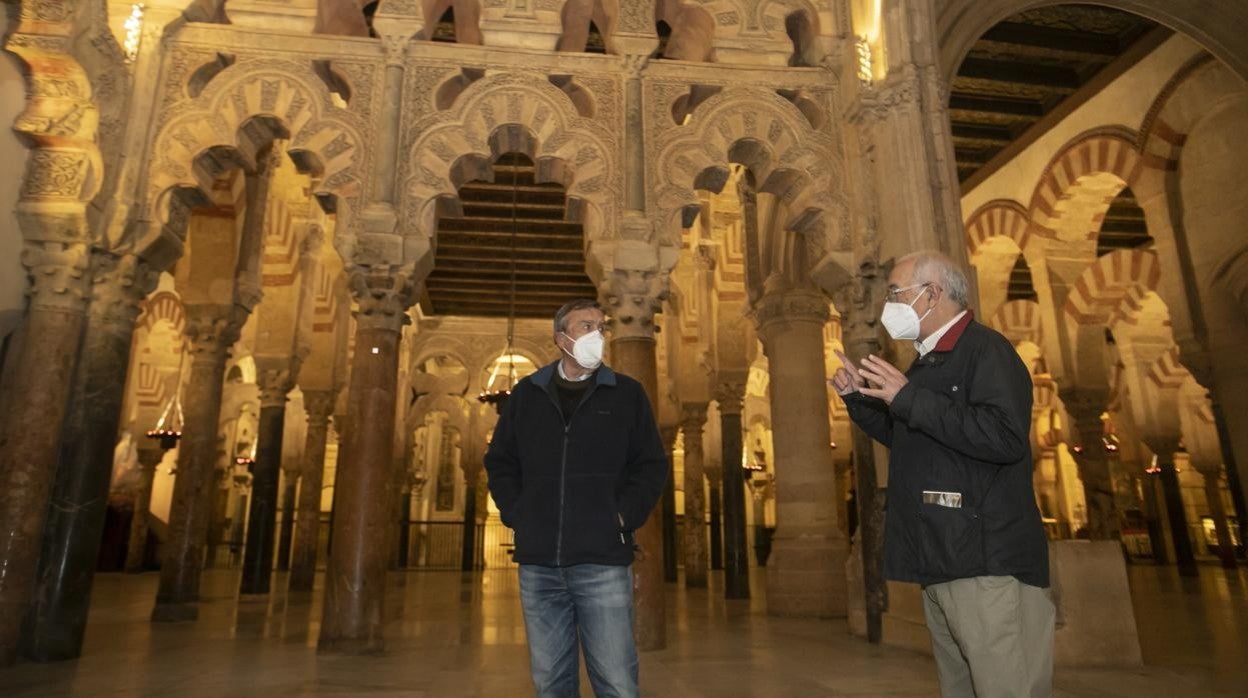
<point>474,252</point>
<point>1035,64</point>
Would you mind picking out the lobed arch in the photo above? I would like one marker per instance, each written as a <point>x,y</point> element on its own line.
<point>1219,27</point>
<point>1080,182</point>
<point>511,113</point>
<point>772,139</point>
<point>1108,281</point>
<point>243,109</point>
<point>163,306</point>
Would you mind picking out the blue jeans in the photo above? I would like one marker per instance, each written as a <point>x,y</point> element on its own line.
<point>592,602</point>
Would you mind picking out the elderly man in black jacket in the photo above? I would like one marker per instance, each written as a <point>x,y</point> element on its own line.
<point>575,466</point>
<point>961,515</point>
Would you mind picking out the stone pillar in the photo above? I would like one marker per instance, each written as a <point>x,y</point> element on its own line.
<point>211,330</point>
<point>1210,468</point>
<point>633,298</point>
<point>472,478</point>
<point>1228,459</point>
<point>730,395</point>
<point>319,404</point>
<point>355,579</point>
<point>715,522</point>
<point>1164,449</point>
<point>275,383</point>
<point>286,530</point>
<point>1085,411</point>
<point>806,574</point>
<point>693,420</point>
<point>136,551</point>
<point>75,523</point>
<point>668,434</point>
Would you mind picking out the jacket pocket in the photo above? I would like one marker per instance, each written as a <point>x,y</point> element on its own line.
<point>951,541</point>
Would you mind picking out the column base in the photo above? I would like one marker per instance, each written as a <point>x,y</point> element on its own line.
<point>353,647</point>
<point>175,612</point>
<point>806,577</point>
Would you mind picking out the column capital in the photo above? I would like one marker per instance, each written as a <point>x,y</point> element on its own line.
<point>319,405</point>
<point>212,329</point>
<point>119,285</point>
<point>693,417</point>
<point>396,50</point>
<point>275,380</point>
<point>60,276</point>
<point>383,293</point>
<point>792,306</point>
<point>667,433</point>
<point>731,397</point>
<point>633,297</point>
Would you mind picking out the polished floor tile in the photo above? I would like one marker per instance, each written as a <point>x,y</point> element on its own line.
<point>452,634</point>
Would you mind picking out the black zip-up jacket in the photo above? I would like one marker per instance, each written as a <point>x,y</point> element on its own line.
<point>574,490</point>
<point>961,424</point>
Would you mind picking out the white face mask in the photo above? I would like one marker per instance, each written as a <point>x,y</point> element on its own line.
<point>587,351</point>
<point>901,320</point>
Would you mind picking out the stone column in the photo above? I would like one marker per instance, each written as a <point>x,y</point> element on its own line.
<point>472,478</point>
<point>1164,448</point>
<point>1228,460</point>
<point>149,458</point>
<point>633,299</point>
<point>668,434</point>
<point>693,420</point>
<point>211,330</point>
<point>806,574</point>
<point>730,396</point>
<point>355,579</point>
<point>1213,494</point>
<point>275,382</point>
<point>715,481</point>
<point>1085,411</point>
<point>319,404</point>
<point>71,539</point>
<point>287,529</point>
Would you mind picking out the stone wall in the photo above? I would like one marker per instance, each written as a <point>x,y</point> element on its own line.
<point>13,155</point>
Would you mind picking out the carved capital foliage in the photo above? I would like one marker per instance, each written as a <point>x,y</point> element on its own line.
<point>59,275</point>
<point>212,329</point>
<point>730,395</point>
<point>275,382</point>
<point>875,105</point>
<point>692,422</point>
<point>396,49</point>
<point>119,285</point>
<point>860,303</point>
<point>633,297</point>
<point>790,307</point>
<point>319,404</point>
<point>384,293</point>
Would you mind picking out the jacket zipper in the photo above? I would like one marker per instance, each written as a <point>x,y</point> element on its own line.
<point>563,467</point>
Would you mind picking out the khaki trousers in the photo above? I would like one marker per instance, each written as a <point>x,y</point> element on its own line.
<point>992,637</point>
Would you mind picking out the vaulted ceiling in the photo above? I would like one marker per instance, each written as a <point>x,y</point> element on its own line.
<point>1037,64</point>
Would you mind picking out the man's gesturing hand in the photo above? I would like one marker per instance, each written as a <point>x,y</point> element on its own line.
<point>846,380</point>
<point>883,376</point>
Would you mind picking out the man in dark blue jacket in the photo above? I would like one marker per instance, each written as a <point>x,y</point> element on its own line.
<point>962,519</point>
<point>575,466</point>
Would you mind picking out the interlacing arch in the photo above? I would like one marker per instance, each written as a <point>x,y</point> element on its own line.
<point>1002,218</point>
<point>511,113</point>
<point>1167,372</point>
<point>764,132</point>
<point>1081,181</point>
<point>1104,284</point>
<point>166,306</point>
<point>239,113</point>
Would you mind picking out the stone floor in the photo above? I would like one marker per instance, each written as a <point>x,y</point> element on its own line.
<point>462,635</point>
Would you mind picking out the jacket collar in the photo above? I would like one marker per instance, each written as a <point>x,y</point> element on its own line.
<point>546,374</point>
<point>953,334</point>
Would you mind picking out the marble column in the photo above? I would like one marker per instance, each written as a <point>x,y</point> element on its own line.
<point>290,499</point>
<point>319,404</point>
<point>355,576</point>
<point>275,382</point>
<point>670,568</point>
<point>806,574</point>
<point>730,396</point>
<point>1228,460</point>
<point>31,428</point>
<point>1172,495</point>
<point>1085,410</point>
<point>468,556</point>
<point>715,519</point>
<point>634,356</point>
<point>75,524</point>
<point>692,422</point>
<point>211,331</point>
<point>149,459</point>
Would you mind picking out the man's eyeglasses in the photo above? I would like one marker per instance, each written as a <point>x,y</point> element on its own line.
<point>894,294</point>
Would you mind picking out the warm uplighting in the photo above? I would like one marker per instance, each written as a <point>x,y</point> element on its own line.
<point>134,32</point>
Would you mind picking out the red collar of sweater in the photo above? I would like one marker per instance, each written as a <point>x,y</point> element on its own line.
<point>951,336</point>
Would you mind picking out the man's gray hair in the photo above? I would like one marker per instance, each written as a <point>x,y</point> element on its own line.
<point>561,316</point>
<point>934,267</point>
